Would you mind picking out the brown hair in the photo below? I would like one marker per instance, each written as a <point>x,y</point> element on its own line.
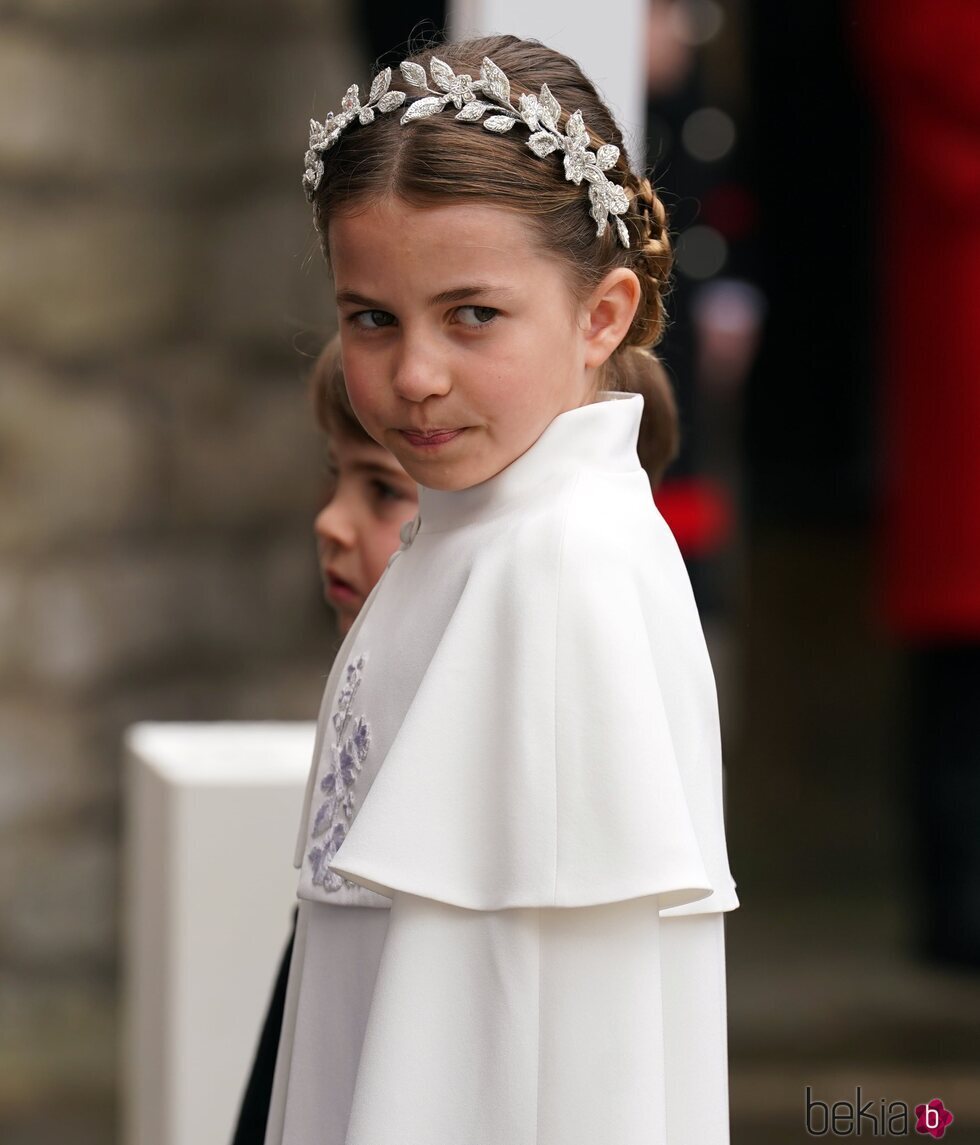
<point>434,159</point>
<point>657,445</point>
<point>328,393</point>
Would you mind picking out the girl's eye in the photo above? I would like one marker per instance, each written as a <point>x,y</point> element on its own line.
<point>385,491</point>
<point>479,310</point>
<point>360,314</point>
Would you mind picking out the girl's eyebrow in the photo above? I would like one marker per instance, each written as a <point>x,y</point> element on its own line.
<point>457,294</point>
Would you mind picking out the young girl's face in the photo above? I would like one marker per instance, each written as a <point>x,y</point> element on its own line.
<point>451,321</point>
<point>370,498</point>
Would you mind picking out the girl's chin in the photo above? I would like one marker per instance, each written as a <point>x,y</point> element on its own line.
<point>344,617</point>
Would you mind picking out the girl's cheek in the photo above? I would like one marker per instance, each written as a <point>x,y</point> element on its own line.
<point>377,550</point>
<point>363,399</point>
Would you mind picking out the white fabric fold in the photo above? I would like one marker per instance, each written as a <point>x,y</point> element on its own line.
<point>562,747</point>
<point>524,1027</point>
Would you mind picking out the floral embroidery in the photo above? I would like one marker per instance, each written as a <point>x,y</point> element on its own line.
<point>352,739</point>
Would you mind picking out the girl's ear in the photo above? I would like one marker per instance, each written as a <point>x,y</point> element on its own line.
<point>609,313</point>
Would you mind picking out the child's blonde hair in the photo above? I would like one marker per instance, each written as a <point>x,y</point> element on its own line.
<point>658,439</point>
<point>435,159</point>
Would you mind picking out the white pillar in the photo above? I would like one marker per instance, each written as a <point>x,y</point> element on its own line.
<point>607,40</point>
<point>210,818</point>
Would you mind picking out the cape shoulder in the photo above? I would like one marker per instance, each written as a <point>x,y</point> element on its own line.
<point>536,764</point>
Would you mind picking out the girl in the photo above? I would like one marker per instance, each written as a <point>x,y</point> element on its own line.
<point>512,853</point>
<point>369,498</point>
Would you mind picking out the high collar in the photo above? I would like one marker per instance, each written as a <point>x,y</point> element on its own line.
<point>600,435</point>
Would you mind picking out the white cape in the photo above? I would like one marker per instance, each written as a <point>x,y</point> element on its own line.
<point>546,799</point>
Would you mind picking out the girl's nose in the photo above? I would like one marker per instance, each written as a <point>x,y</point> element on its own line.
<point>419,373</point>
<point>332,525</point>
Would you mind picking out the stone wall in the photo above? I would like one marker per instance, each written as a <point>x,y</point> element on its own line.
<point>160,285</point>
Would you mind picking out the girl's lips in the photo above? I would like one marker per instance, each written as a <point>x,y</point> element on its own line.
<point>339,590</point>
<point>431,441</point>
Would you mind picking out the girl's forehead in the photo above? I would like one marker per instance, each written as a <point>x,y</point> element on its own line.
<point>475,233</point>
<point>460,214</point>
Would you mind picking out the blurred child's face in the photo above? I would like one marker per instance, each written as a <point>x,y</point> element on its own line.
<point>450,321</point>
<point>371,497</point>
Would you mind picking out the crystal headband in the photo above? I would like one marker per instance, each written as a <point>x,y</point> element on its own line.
<point>539,113</point>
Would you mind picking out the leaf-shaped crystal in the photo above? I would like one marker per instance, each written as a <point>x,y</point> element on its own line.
<point>618,203</point>
<point>494,80</point>
<point>351,101</point>
<point>542,143</point>
<point>390,100</point>
<point>461,89</point>
<point>607,155</point>
<point>624,237</point>
<point>379,85</point>
<point>550,107</point>
<point>546,119</point>
<point>366,115</point>
<point>575,126</point>
<point>472,110</point>
<point>319,138</point>
<point>499,123</point>
<point>574,166</point>
<point>442,73</point>
<point>423,107</point>
<point>311,178</point>
<point>529,110</point>
<point>413,74</point>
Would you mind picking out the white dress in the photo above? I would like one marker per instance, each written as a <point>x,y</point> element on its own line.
<point>513,868</point>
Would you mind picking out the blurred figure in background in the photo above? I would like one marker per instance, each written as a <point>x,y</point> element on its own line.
<point>368,499</point>
<point>922,62</point>
<point>716,310</point>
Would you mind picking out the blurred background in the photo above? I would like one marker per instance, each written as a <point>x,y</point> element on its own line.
<point>161,299</point>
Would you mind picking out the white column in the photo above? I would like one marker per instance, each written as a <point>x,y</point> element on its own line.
<point>607,40</point>
<point>209,827</point>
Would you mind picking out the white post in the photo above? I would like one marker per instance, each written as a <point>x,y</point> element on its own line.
<point>608,41</point>
<point>211,813</point>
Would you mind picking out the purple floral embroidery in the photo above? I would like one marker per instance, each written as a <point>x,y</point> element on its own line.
<point>352,739</point>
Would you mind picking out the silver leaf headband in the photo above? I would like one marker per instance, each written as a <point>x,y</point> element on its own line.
<point>539,113</point>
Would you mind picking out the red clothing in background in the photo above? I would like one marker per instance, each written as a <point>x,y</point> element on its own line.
<point>922,60</point>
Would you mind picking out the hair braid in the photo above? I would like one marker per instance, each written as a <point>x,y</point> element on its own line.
<point>652,262</point>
